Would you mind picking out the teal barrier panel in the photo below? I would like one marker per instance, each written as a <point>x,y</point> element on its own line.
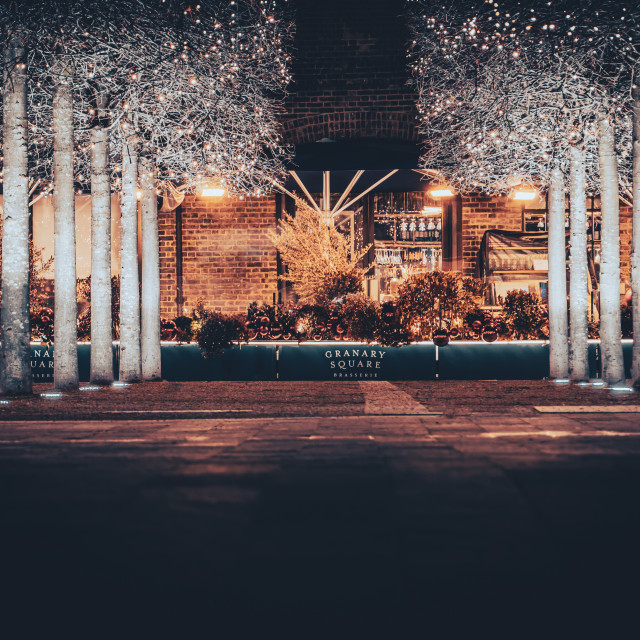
<point>593,359</point>
<point>343,361</point>
<point>627,347</point>
<point>494,361</point>
<point>183,362</point>
<point>42,362</point>
<point>355,361</point>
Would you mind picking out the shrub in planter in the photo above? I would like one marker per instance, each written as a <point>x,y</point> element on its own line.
<point>167,330</point>
<point>340,284</point>
<point>441,337</point>
<point>217,332</point>
<point>361,317</point>
<point>391,332</point>
<point>428,300</point>
<point>83,289</point>
<point>84,327</point>
<point>524,313</point>
<point>314,322</point>
<point>472,324</point>
<point>183,331</point>
<point>489,333</point>
<point>42,325</point>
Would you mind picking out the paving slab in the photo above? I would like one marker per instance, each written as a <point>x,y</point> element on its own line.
<point>335,524</point>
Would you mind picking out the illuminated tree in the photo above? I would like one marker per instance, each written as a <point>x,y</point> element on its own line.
<point>155,93</point>
<point>16,375</point>
<point>613,31</point>
<point>506,96</point>
<point>318,257</point>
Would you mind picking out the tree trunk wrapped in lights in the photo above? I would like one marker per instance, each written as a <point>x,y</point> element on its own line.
<point>65,332</point>
<point>150,335</point>
<point>101,321</point>
<point>130,364</point>
<point>558,345</point>
<point>207,110</point>
<point>16,377</point>
<point>635,242</point>
<point>497,109</point>
<point>612,361</point>
<point>579,272</point>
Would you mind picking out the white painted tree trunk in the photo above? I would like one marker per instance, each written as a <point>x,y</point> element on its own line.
<point>578,283</point>
<point>558,329</point>
<point>65,322</point>
<point>130,364</point>
<point>635,241</point>
<point>151,367</point>
<point>15,365</point>
<point>610,339</point>
<point>101,332</point>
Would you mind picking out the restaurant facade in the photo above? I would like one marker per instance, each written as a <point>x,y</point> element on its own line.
<point>350,118</point>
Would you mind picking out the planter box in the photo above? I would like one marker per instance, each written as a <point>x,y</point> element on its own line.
<point>340,361</point>
<point>246,362</point>
<point>517,360</point>
<point>42,362</point>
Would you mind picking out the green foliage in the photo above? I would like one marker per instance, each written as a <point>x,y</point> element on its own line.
<point>428,300</point>
<point>83,290</point>
<point>183,331</point>
<point>319,261</point>
<point>216,332</point>
<point>525,314</point>
<point>391,331</point>
<point>340,284</point>
<point>361,317</point>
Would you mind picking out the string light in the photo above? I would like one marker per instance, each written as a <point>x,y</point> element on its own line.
<point>488,83</point>
<point>197,122</point>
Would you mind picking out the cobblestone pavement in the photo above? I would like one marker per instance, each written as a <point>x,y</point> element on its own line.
<point>208,399</point>
<point>453,514</point>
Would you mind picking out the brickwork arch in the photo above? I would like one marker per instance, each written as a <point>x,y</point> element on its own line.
<point>351,125</point>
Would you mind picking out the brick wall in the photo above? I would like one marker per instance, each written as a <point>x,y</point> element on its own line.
<point>625,244</point>
<point>480,213</point>
<point>167,244</point>
<point>228,258</point>
<point>350,72</point>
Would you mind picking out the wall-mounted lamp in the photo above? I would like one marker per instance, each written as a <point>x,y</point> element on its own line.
<point>212,192</point>
<point>524,195</point>
<point>441,192</point>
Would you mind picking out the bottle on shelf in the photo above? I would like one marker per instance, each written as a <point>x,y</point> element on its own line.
<point>403,230</point>
<point>421,233</point>
<point>431,230</point>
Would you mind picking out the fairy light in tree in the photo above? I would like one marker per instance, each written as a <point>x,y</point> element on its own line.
<point>487,76</point>
<point>193,112</point>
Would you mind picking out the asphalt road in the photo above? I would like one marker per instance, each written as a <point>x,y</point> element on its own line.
<point>397,521</point>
